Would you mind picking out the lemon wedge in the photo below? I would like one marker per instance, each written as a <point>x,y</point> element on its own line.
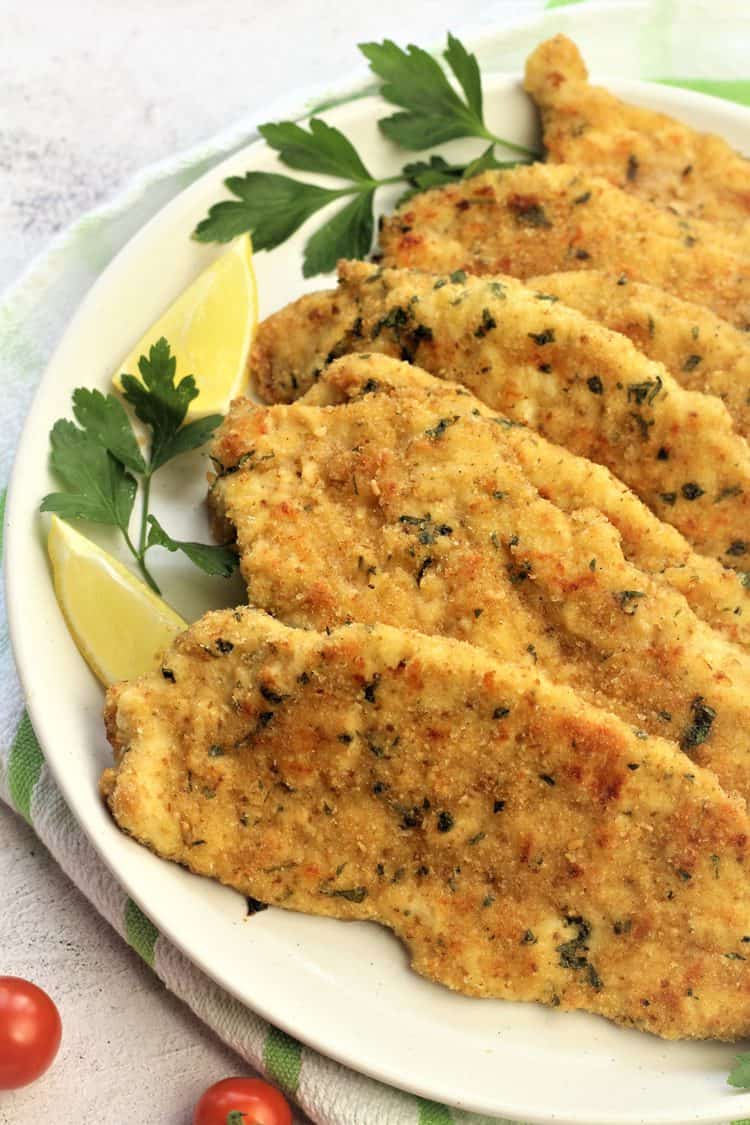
<point>119,625</point>
<point>210,329</point>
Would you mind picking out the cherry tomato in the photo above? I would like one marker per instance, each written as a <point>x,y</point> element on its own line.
<point>252,1101</point>
<point>30,1032</point>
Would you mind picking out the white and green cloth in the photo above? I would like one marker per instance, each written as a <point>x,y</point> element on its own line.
<point>700,44</point>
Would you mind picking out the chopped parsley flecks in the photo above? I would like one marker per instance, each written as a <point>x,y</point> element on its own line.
<point>519,572</point>
<point>351,894</point>
<point>643,424</point>
<point>543,338</point>
<point>444,821</point>
<point>437,431</point>
<point>370,688</point>
<point>574,953</point>
<point>644,392</point>
<point>528,212</point>
<point>488,323</point>
<point>424,566</point>
<point>628,600</point>
<point>272,696</point>
<point>427,531</point>
<point>700,725</point>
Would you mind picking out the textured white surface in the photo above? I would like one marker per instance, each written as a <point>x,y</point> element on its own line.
<point>92,92</point>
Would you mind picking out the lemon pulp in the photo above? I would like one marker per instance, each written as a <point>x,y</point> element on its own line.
<point>210,329</point>
<point>119,625</point>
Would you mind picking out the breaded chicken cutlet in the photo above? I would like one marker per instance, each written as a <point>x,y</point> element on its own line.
<point>703,352</point>
<point>542,364</point>
<point>546,218</point>
<point>406,504</point>
<point>292,348</point>
<point>521,843</point>
<point>649,154</point>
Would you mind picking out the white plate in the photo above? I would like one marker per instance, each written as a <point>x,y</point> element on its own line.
<point>344,989</point>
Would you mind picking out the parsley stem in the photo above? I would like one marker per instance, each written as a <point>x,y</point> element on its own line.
<point>511,145</point>
<point>144,513</point>
<point>389,180</point>
<point>359,186</point>
<point>141,563</point>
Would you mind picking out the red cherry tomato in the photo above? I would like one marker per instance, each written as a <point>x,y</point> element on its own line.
<point>254,1102</point>
<point>30,1032</point>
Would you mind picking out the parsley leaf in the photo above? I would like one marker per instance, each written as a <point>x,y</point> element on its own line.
<point>98,487</point>
<point>422,175</point>
<point>347,235</point>
<point>96,462</point>
<point>162,404</point>
<point>324,149</point>
<point>466,69</point>
<point>485,163</point>
<point>740,1073</point>
<point>104,419</point>
<point>432,110</point>
<point>269,206</point>
<point>212,560</point>
<point>272,207</point>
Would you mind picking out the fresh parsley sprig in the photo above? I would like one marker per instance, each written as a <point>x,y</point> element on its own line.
<point>433,111</point>
<point>99,459</point>
<point>272,206</point>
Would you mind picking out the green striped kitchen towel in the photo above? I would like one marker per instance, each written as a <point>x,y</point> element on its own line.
<point>701,44</point>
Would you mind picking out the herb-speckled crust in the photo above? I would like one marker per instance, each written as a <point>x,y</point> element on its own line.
<point>290,349</point>
<point>521,843</point>
<point>407,504</point>
<point>703,352</point>
<point>543,218</point>
<point>646,153</point>
<point>580,385</point>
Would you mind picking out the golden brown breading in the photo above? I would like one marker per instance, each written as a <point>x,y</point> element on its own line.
<point>406,504</point>
<point>649,154</point>
<point>521,843</point>
<point>715,594</point>
<point>544,218</point>
<point>300,343</point>
<point>702,351</point>
<point>545,365</point>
